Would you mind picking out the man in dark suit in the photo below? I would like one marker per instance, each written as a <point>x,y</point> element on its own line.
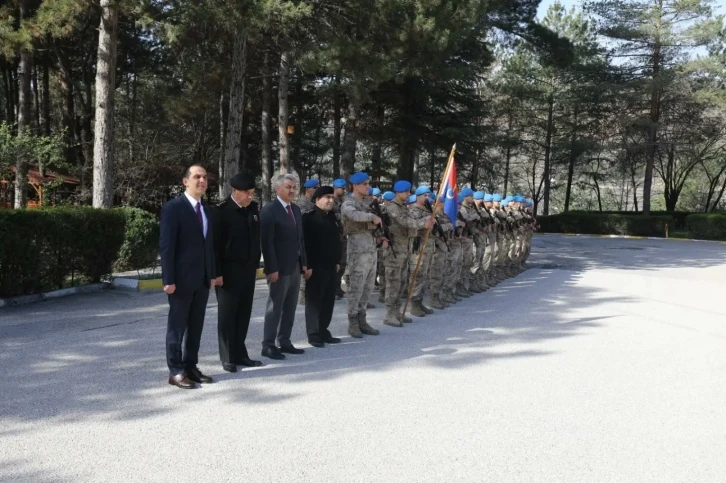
<point>188,271</point>
<point>322,243</point>
<point>283,250</point>
<point>237,253</point>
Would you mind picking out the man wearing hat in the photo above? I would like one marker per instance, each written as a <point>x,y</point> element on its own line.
<point>419,212</point>
<point>467,286</point>
<point>403,228</point>
<point>236,227</point>
<point>322,244</point>
<point>359,224</point>
<point>453,276</point>
<point>440,260</point>
<point>480,242</point>
<point>306,205</point>
<point>339,186</point>
<point>491,235</point>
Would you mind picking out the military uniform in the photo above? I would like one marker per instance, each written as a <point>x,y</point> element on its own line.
<point>337,206</point>
<point>426,253</point>
<point>467,246</point>
<point>362,258</point>
<point>439,263</point>
<point>453,277</point>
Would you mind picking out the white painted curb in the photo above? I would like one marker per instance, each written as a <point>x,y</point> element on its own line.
<point>64,292</point>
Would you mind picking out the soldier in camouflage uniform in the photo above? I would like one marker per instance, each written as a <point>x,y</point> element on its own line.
<point>492,231</point>
<point>467,245</point>
<point>306,205</point>
<point>359,224</point>
<point>403,229</point>
<point>339,186</point>
<point>425,251</point>
<point>441,260</point>
<point>480,242</point>
<point>387,197</point>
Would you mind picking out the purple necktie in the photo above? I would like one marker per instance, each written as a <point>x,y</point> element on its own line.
<point>199,216</point>
<point>289,213</point>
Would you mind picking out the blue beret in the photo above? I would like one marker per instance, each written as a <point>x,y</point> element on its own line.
<point>528,203</point>
<point>412,199</point>
<point>505,202</point>
<point>339,183</point>
<point>496,197</point>
<point>422,190</point>
<point>461,197</point>
<point>520,199</point>
<point>478,195</point>
<point>389,195</point>
<point>376,192</point>
<point>358,178</point>
<point>432,197</point>
<point>312,183</point>
<point>401,185</point>
<point>488,197</point>
<point>467,192</point>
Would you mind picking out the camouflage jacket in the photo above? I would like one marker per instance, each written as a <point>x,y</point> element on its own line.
<point>306,206</point>
<point>421,214</point>
<point>358,225</point>
<point>403,225</point>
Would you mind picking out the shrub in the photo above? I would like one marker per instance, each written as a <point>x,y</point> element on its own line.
<point>43,248</point>
<point>141,240</point>
<point>605,224</point>
<point>711,226</point>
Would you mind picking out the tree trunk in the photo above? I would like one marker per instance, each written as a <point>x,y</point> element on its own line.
<point>508,157</point>
<point>45,109</point>
<point>233,141</point>
<point>337,108</point>
<point>548,150</point>
<point>432,170</point>
<point>350,137</point>
<point>571,161</point>
<point>266,127</point>
<point>36,99</point>
<point>377,152</point>
<point>9,91</point>
<point>222,144</point>
<point>132,120</point>
<point>24,100</point>
<point>655,101</point>
<point>474,176</point>
<point>283,114</point>
<point>105,89</point>
<point>635,191</point>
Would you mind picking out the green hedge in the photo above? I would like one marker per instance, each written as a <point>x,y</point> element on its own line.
<point>679,217</point>
<point>710,226</point>
<point>606,224</point>
<point>52,248</point>
<point>141,241</point>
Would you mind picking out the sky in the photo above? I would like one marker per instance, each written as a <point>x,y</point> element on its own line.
<point>719,6</point>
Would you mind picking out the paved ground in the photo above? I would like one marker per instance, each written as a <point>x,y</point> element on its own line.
<point>606,361</point>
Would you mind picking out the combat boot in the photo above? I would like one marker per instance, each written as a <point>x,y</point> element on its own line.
<point>382,297</point>
<point>435,302</point>
<point>354,327</point>
<point>474,286</point>
<point>454,295</point>
<point>391,318</point>
<point>364,327</point>
<point>426,309</point>
<point>447,298</point>
<point>401,318</point>
<point>417,309</point>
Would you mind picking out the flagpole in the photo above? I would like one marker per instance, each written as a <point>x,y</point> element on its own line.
<point>428,231</point>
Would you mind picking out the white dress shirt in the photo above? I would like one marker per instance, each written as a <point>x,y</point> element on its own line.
<point>194,202</point>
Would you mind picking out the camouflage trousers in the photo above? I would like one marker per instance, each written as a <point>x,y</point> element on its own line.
<point>489,251</point>
<point>453,272</point>
<point>467,257</point>
<point>422,276</point>
<point>362,271</point>
<point>396,275</point>
<point>437,273</point>
<point>480,243</point>
<point>381,270</point>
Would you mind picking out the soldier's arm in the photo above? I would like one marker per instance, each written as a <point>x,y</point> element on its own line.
<point>404,219</point>
<point>354,214</point>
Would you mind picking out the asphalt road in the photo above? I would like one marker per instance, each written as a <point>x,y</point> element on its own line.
<point>605,361</point>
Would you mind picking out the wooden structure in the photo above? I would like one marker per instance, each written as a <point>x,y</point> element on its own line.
<point>36,181</point>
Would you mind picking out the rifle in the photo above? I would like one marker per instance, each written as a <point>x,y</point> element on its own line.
<point>476,208</point>
<point>437,227</point>
<point>385,223</point>
<point>467,228</point>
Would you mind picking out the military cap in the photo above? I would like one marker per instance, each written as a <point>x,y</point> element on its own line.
<point>412,199</point>
<point>401,186</point>
<point>358,178</point>
<point>242,181</point>
<point>461,197</point>
<point>478,195</point>
<point>376,192</point>
<point>488,197</point>
<point>432,197</point>
<point>496,197</point>
<point>389,195</point>
<point>322,191</point>
<point>312,183</point>
<point>423,190</point>
<point>339,183</point>
<point>467,192</point>
<point>505,202</point>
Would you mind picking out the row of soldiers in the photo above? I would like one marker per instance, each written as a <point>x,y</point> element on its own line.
<point>385,234</point>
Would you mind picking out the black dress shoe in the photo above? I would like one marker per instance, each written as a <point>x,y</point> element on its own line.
<point>316,343</point>
<point>229,367</point>
<point>331,340</point>
<point>273,353</point>
<point>194,374</point>
<point>291,349</point>
<point>247,362</point>
<point>181,381</point>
